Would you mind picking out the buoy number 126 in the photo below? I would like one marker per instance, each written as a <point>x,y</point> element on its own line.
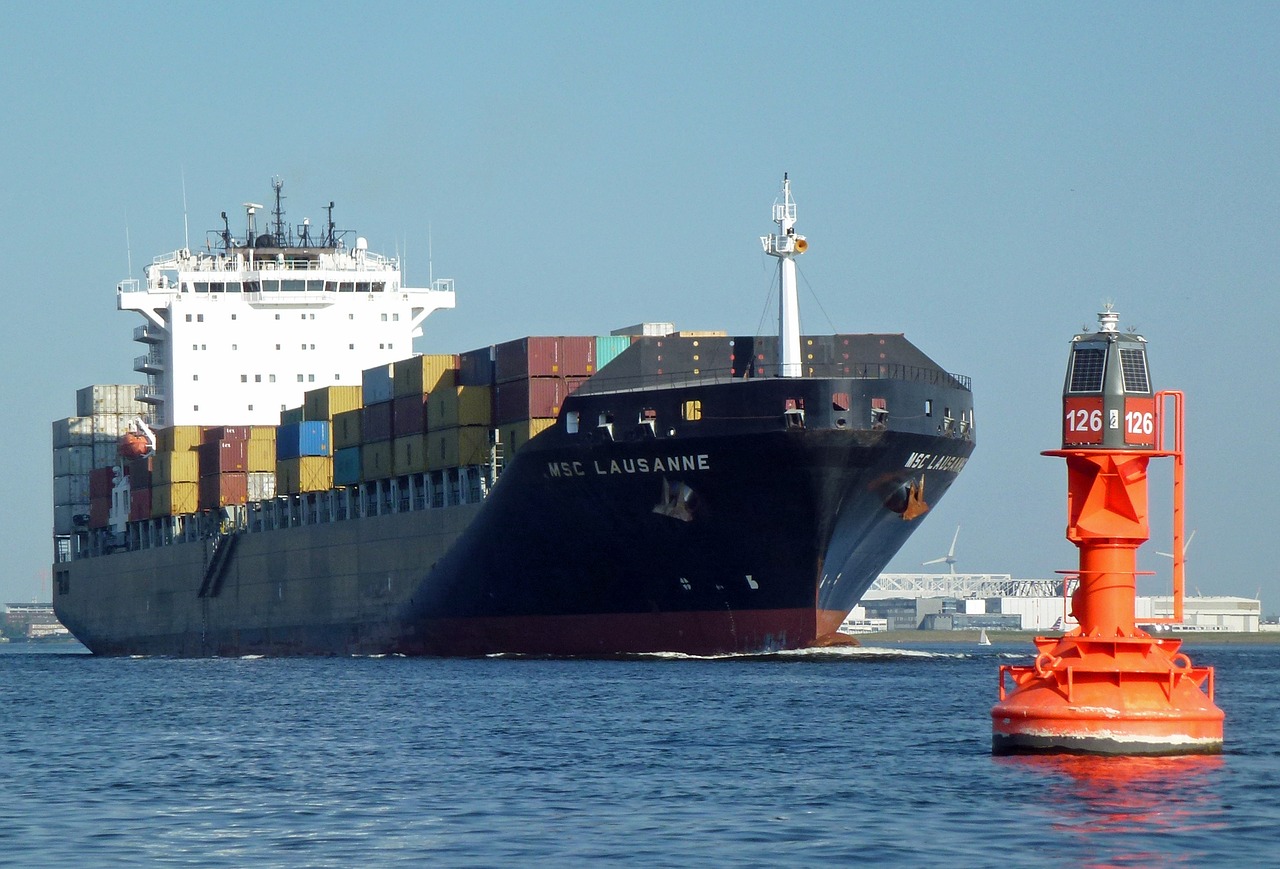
<point>1139,422</point>
<point>1081,420</point>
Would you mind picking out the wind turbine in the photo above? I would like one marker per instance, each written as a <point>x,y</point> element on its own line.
<point>950,558</point>
<point>1185,547</point>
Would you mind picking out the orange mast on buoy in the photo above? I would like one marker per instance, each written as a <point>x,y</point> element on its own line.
<point>1109,687</point>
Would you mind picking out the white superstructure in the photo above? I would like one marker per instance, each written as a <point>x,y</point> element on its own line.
<point>236,334</point>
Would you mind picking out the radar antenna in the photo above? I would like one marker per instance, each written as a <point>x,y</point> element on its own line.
<point>250,208</point>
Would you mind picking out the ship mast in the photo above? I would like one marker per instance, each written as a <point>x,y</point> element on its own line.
<point>786,246</point>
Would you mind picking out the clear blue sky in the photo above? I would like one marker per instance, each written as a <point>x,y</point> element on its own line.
<point>980,176</point>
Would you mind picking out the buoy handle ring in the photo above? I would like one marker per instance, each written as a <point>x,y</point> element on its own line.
<point>1046,662</point>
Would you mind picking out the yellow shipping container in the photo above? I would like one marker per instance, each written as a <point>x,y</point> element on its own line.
<point>262,456</point>
<point>410,454</point>
<point>442,448</point>
<point>473,445</point>
<point>322,405</point>
<point>516,434</point>
<point>346,429</point>
<point>263,433</point>
<point>377,461</point>
<point>174,499</point>
<point>475,405</point>
<point>178,438</point>
<point>304,474</point>
<point>422,374</point>
<point>171,467</point>
<point>458,446</point>
<point>442,408</point>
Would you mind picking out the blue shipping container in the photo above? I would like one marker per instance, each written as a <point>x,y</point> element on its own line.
<point>609,347</point>
<point>302,439</point>
<point>377,384</point>
<point>346,466</point>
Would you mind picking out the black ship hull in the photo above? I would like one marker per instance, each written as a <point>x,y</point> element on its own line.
<point>626,528</point>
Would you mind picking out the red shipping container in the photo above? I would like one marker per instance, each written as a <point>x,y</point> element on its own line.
<point>534,398</point>
<point>100,512</point>
<point>377,421</point>
<point>220,490</point>
<point>221,457</point>
<point>100,482</point>
<point>139,504</point>
<point>578,357</point>
<point>410,414</point>
<point>226,433</point>
<point>527,357</point>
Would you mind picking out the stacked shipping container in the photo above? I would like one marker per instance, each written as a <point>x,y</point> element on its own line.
<point>532,378</point>
<point>87,441</point>
<point>426,413</point>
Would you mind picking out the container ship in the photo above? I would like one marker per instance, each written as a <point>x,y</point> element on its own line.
<point>293,480</point>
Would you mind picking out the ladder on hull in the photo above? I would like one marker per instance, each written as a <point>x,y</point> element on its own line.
<point>216,570</point>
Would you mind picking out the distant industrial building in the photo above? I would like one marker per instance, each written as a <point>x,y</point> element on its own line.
<point>974,601</point>
<point>32,621</point>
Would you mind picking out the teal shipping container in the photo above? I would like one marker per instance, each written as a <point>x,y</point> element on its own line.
<point>608,348</point>
<point>346,466</point>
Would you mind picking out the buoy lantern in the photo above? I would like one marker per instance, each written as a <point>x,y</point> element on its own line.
<point>1109,687</point>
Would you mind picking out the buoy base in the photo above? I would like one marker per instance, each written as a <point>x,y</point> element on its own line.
<point>1133,695</point>
<point>1005,744</point>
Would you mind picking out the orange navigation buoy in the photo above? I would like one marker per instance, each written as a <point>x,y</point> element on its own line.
<point>1109,687</point>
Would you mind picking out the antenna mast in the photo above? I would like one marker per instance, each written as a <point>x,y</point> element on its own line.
<point>786,246</point>
<point>186,233</point>
<point>277,183</point>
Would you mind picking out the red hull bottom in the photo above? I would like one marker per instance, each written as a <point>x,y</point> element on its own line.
<point>690,633</point>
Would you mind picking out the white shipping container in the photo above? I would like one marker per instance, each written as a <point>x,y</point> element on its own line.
<point>261,485</point>
<point>64,516</point>
<point>72,460</point>
<point>74,431</point>
<point>111,424</point>
<point>71,489</point>
<point>105,454</point>
<point>108,398</point>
